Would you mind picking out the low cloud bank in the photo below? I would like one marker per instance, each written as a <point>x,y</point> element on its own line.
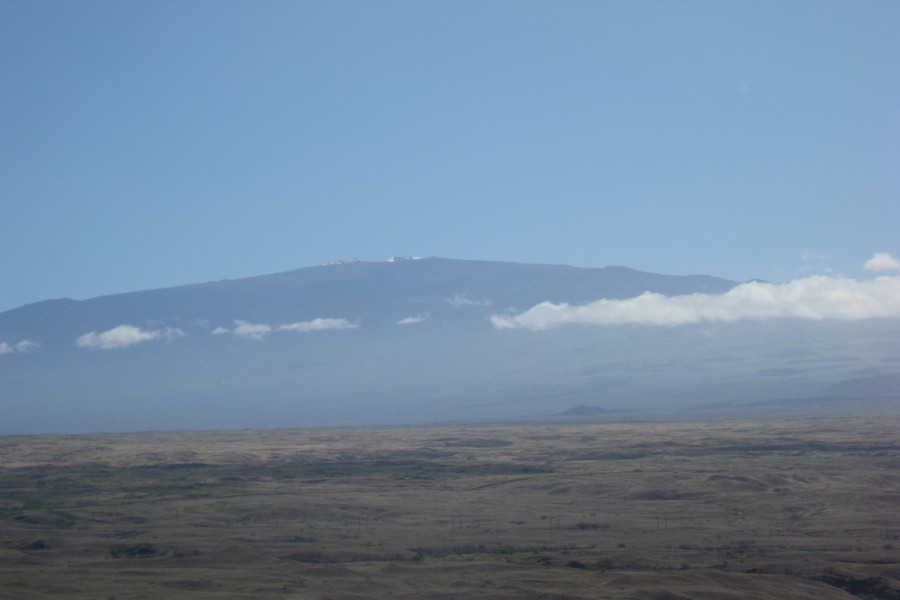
<point>124,336</point>
<point>816,298</point>
<point>258,331</point>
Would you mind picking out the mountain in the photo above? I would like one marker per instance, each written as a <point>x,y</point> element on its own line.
<point>375,293</point>
<point>396,342</point>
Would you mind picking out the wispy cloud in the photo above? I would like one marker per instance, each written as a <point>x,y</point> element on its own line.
<point>22,347</point>
<point>258,331</point>
<point>124,336</point>
<point>413,320</point>
<point>817,298</point>
<point>318,325</point>
<point>816,262</point>
<point>810,255</point>
<point>459,300</point>
<point>25,346</point>
<point>882,261</point>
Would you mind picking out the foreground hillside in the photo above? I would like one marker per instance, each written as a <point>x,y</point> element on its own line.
<point>802,508</point>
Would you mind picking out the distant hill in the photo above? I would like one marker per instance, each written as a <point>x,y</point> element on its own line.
<point>883,386</point>
<point>401,341</point>
<point>583,411</point>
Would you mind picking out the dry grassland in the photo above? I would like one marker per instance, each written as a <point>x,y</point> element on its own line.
<point>803,508</point>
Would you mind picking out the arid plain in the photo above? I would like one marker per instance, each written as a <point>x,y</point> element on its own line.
<point>724,509</point>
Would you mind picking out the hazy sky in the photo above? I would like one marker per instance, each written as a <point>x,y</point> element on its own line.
<point>149,144</point>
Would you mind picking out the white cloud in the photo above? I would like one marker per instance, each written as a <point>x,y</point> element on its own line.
<point>413,320</point>
<point>124,336</point>
<point>5,348</point>
<point>882,261</point>
<point>318,325</point>
<point>459,300</point>
<point>220,331</point>
<point>817,297</point>
<point>251,330</point>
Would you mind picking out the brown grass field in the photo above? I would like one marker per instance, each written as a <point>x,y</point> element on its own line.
<point>761,509</point>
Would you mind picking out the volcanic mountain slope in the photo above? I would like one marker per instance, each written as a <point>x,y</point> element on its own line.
<point>375,294</point>
<point>403,341</point>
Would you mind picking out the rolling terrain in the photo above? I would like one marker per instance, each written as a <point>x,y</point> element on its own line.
<point>729,509</point>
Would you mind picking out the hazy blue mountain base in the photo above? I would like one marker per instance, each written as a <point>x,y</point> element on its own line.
<point>445,363</point>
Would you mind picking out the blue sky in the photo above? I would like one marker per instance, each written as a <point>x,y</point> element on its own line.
<point>150,144</point>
